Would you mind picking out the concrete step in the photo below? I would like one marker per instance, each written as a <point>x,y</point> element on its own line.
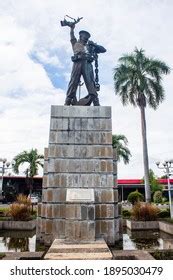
<point>61,249</point>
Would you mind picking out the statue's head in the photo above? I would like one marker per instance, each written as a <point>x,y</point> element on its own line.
<point>84,36</point>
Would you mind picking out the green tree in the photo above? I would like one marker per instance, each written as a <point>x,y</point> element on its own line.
<point>157,197</point>
<point>138,81</point>
<point>33,159</point>
<point>135,197</point>
<point>154,182</point>
<point>120,142</point>
<point>164,177</point>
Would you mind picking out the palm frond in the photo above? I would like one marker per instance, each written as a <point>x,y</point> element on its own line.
<point>157,92</point>
<point>120,142</point>
<point>160,66</point>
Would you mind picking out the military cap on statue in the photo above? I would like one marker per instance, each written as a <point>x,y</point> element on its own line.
<point>86,33</point>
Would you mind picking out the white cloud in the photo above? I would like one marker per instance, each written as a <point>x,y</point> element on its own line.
<point>46,58</point>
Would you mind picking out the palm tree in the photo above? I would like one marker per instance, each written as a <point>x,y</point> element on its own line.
<point>33,159</point>
<point>138,81</point>
<point>120,142</point>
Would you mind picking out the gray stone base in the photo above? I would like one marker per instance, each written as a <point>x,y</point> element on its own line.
<point>166,227</point>
<point>18,225</point>
<point>23,255</point>
<point>80,199</point>
<point>140,225</point>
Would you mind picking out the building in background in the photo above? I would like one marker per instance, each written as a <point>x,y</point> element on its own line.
<point>13,185</point>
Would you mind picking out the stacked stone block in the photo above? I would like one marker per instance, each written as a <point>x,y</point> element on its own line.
<point>79,156</point>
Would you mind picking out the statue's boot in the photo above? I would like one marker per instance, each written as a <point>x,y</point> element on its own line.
<point>96,101</point>
<point>70,101</point>
<point>86,101</point>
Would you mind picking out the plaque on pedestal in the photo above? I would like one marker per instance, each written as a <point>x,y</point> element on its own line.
<point>80,195</point>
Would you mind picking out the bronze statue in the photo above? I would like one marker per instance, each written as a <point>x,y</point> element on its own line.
<point>85,52</point>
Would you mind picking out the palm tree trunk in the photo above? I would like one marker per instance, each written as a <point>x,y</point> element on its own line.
<point>31,186</point>
<point>145,155</point>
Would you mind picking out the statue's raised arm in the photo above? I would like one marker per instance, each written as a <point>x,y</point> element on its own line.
<point>70,23</point>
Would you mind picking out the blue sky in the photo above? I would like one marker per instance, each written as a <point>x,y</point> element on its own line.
<point>35,67</point>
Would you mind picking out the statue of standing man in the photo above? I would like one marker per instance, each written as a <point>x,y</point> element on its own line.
<point>85,52</point>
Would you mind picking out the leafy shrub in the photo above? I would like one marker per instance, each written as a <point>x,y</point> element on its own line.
<point>144,212</point>
<point>157,197</point>
<point>126,213</point>
<point>164,213</point>
<point>135,197</point>
<point>19,212</point>
<point>23,199</point>
<point>21,209</point>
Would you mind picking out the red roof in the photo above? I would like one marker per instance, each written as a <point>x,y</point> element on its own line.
<point>139,181</point>
<point>129,181</point>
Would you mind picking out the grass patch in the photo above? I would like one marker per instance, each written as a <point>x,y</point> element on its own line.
<point>4,218</point>
<point>168,220</point>
<point>2,255</point>
<point>3,209</point>
<point>162,255</point>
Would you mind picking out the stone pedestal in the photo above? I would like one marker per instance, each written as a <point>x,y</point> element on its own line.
<point>79,201</point>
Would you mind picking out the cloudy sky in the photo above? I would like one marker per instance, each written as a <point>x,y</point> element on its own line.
<point>35,67</point>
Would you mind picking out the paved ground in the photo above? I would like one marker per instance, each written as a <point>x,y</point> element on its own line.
<point>129,206</point>
<point>4,205</point>
<point>63,250</point>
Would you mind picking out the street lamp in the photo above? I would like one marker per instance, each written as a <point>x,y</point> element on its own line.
<point>5,166</point>
<point>167,167</point>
